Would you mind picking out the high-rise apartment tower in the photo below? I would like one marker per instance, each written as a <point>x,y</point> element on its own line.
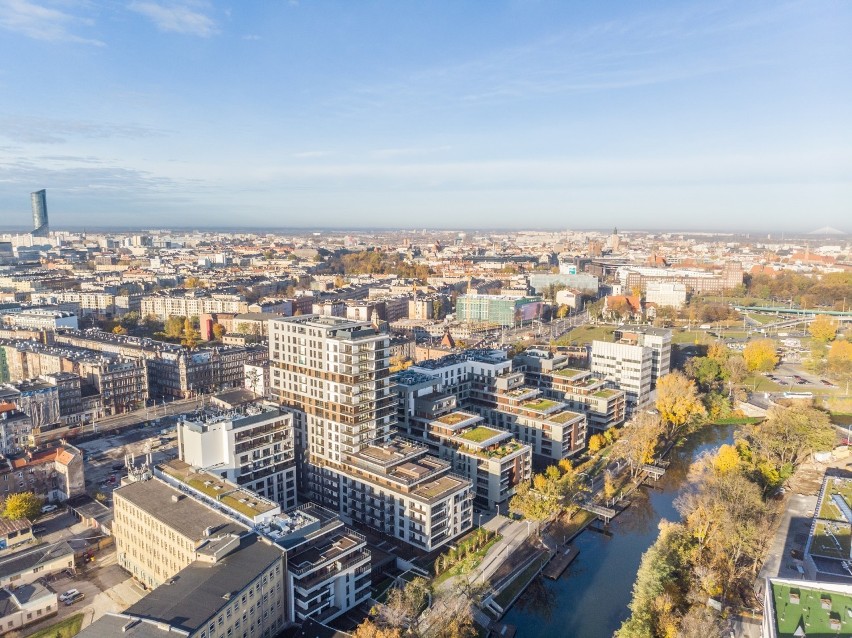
<point>39,203</point>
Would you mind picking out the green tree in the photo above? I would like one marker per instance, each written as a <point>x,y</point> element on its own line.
<point>22,505</point>
<point>173,327</point>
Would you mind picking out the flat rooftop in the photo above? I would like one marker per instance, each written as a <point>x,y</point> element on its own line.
<point>457,419</point>
<point>197,593</point>
<point>442,486</point>
<point>482,436</point>
<point>230,495</point>
<point>805,609</point>
<point>186,515</point>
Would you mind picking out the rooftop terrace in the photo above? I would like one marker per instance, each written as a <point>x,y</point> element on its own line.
<point>801,610</point>
<point>228,494</point>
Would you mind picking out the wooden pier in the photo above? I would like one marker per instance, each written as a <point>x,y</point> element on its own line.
<point>559,563</point>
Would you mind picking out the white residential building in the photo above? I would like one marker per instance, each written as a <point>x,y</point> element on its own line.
<point>253,449</point>
<point>634,362</point>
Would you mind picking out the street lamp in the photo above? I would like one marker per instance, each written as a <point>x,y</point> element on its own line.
<point>480,520</point>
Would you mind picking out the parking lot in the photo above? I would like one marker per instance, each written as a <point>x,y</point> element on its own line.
<point>104,464</point>
<point>104,585</point>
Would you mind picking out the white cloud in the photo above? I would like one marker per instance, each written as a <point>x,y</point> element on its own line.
<point>45,130</point>
<point>179,18</point>
<point>42,22</point>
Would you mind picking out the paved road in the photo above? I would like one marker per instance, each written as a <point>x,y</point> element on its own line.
<point>137,417</point>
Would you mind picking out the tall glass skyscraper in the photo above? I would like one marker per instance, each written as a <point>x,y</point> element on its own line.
<point>39,202</point>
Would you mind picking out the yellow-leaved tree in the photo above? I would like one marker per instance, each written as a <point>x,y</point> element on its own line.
<point>678,402</point>
<point>823,328</point>
<point>761,355</point>
<point>726,459</point>
<point>22,505</point>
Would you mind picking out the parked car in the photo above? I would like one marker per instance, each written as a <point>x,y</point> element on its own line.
<point>76,597</point>
<point>69,594</point>
<point>46,509</point>
<point>39,529</point>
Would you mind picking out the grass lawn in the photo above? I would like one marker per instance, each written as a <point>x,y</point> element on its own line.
<point>689,337</point>
<point>540,405</point>
<point>63,629</point>
<point>765,319</point>
<point>467,565</point>
<point>761,384</point>
<point>586,334</point>
<point>480,433</point>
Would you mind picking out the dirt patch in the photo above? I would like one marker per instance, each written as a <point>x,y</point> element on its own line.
<point>809,475</point>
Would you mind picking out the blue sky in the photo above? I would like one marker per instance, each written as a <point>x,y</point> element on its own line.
<point>713,115</point>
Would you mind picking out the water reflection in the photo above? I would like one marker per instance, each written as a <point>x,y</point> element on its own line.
<point>590,600</point>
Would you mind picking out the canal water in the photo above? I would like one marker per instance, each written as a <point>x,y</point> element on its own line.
<point>590,600</point>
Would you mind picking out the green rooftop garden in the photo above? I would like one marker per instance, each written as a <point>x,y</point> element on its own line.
<point>816,612</point>
<point>568,372</point>
<point>229,501</point>
<point>479,434</point>
<point>563,417</point>
<point>605,393</point>
<point>454,418</point>
<point>829,510</point>
<point>539,405</point>
<point>832,540</point>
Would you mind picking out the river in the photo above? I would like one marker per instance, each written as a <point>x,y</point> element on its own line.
<point>591,598</point>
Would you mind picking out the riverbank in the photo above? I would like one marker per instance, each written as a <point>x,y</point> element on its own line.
<point>590,601</point>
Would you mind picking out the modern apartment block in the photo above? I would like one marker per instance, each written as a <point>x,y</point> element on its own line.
<point>328,568</point>
<point>493,460</point>
<point>253,448</point>
<point>603,406</point>
<point>634,361</point>
<point>485,383</point>
<point>333,373</point>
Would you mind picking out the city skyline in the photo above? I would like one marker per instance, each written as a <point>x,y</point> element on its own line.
<point>537,115</point>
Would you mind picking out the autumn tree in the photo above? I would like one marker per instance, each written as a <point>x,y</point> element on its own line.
<point>678,402</point>
<point>119,330</point>
<point>823,328</point>
<point>369,629</point>
<point>22,505</point>
<point>735,369</point>
<point>789,434</point>
<point>173,327</point>
<point>596,443</point>
<point>403,605</point>
<point>639,441</point>
<point>760,355</point>
<point>840,359</point>
<point>190,334</point>
<point>726,515</point>
<point>218,331</point>
<point>726,459</point>
<point>718,352</point>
